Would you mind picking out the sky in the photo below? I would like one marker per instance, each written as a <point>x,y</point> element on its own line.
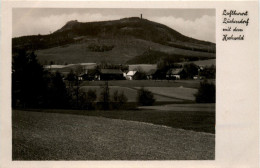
<point>196,23</point>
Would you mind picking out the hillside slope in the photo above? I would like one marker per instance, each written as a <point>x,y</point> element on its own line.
<point>116,41</point>
<point>123,51</point>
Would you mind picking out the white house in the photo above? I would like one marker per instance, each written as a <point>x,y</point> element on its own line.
<point>130,74</point>
<point>174,73</point>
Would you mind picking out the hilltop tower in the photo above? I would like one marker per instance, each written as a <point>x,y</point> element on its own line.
<point>141,16</point>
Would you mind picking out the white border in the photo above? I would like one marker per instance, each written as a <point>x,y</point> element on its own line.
<point>237,88</point>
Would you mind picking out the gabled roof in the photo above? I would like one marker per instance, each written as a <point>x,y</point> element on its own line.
<point>131,73</point>
<point>175,71</point>
<point>151,72</point>
<point>89,72</point>
<point>92,72</point>
<point>111,71</point>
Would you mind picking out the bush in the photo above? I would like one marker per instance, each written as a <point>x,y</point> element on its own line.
<point>91,98</point>
<point>145,97</point>
<point>209,72</point>
<point>119,99</point>
<point>206,93</point>
<point>87,99</point>
<point>190,70</point>
<point>81,100</point>
<point>104,96</point>
<point>57,94</point>
<point>139,76</point>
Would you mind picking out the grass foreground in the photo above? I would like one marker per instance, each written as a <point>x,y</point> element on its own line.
<point>199,121</point>
<point>55,136</point>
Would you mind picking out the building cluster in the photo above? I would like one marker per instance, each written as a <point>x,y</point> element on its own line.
<point>118,74</point>
<point>92,71</point>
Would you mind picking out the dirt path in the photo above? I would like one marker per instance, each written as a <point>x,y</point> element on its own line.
<point>49,136</point>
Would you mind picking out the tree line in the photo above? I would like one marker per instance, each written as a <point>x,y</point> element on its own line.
<point>34,87</point>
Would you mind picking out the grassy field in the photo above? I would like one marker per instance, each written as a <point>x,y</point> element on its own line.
<point>175,92</point>
<point>211,108</point>
<point>203,63</point>
<point>206,62</point>
<point>180,91</point>
<point>53,136</point>
<point>148,83</point>
<point>130,93</point>
<point>164,91</point>
<point>124,50</point>
<point>201,120</point>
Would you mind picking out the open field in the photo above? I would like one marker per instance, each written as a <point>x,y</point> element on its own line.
<point>203,63</point>
<point>130,93</point>
<point>176,92</point>
<point>201,120</point>
<point>183,107</point>
<point>164,91</point>
<point>52,136</point>
<point>208,62</point>
<point>148,83</point>
<point>124,50</point>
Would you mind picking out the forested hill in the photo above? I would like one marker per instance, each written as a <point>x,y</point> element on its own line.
<point>118,35</point>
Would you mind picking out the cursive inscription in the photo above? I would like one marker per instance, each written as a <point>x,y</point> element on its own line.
<point>235,22</point>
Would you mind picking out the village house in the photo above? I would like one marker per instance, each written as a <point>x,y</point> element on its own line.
<point>149,75</point>
<point>135,75</point>
<point>130,74</point>
<point>174,73</point>
<point>90,74</point>
<point>111,74</point>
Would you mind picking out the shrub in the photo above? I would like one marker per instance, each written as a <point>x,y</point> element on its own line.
<point>86,99</point>
<point>57,95</point>
<point>81,101</point>
<point>91,98</point>
<point>209,72</point>
<point>190,70</point>
<point>104,97</point>
<point>145,97</point>
<point>115,96</point>
<point>206,93</point>
<point>119,99</point>
<point>122,98</point>
<point>139,76</point>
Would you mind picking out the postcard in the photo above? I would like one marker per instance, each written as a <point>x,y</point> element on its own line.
<point>129,84</point>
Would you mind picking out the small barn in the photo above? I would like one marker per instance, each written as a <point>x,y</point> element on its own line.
<point>135,75</point>
<point>90,74</point>
<point>159,74</point>
<point>150,74</point>
<point>130,74</point>
<point>111,74</point>
<point>174,73</point>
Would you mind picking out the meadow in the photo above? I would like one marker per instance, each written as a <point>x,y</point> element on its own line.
<point>131,93</point>
<point>124,50</point>
<point>174,92</point>
<point>175,128</point>
<point>112,135</point>
<point>163,90</point>
<point>148,83</point>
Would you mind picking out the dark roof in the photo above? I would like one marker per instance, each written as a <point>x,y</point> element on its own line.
<point>92,72</point>
<point>89,72</point>
<point>111,71</point>
<point>151,72</point>
<point>175,71</point>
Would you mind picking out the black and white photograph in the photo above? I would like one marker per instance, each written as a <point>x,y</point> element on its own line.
<point>113,84</point>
